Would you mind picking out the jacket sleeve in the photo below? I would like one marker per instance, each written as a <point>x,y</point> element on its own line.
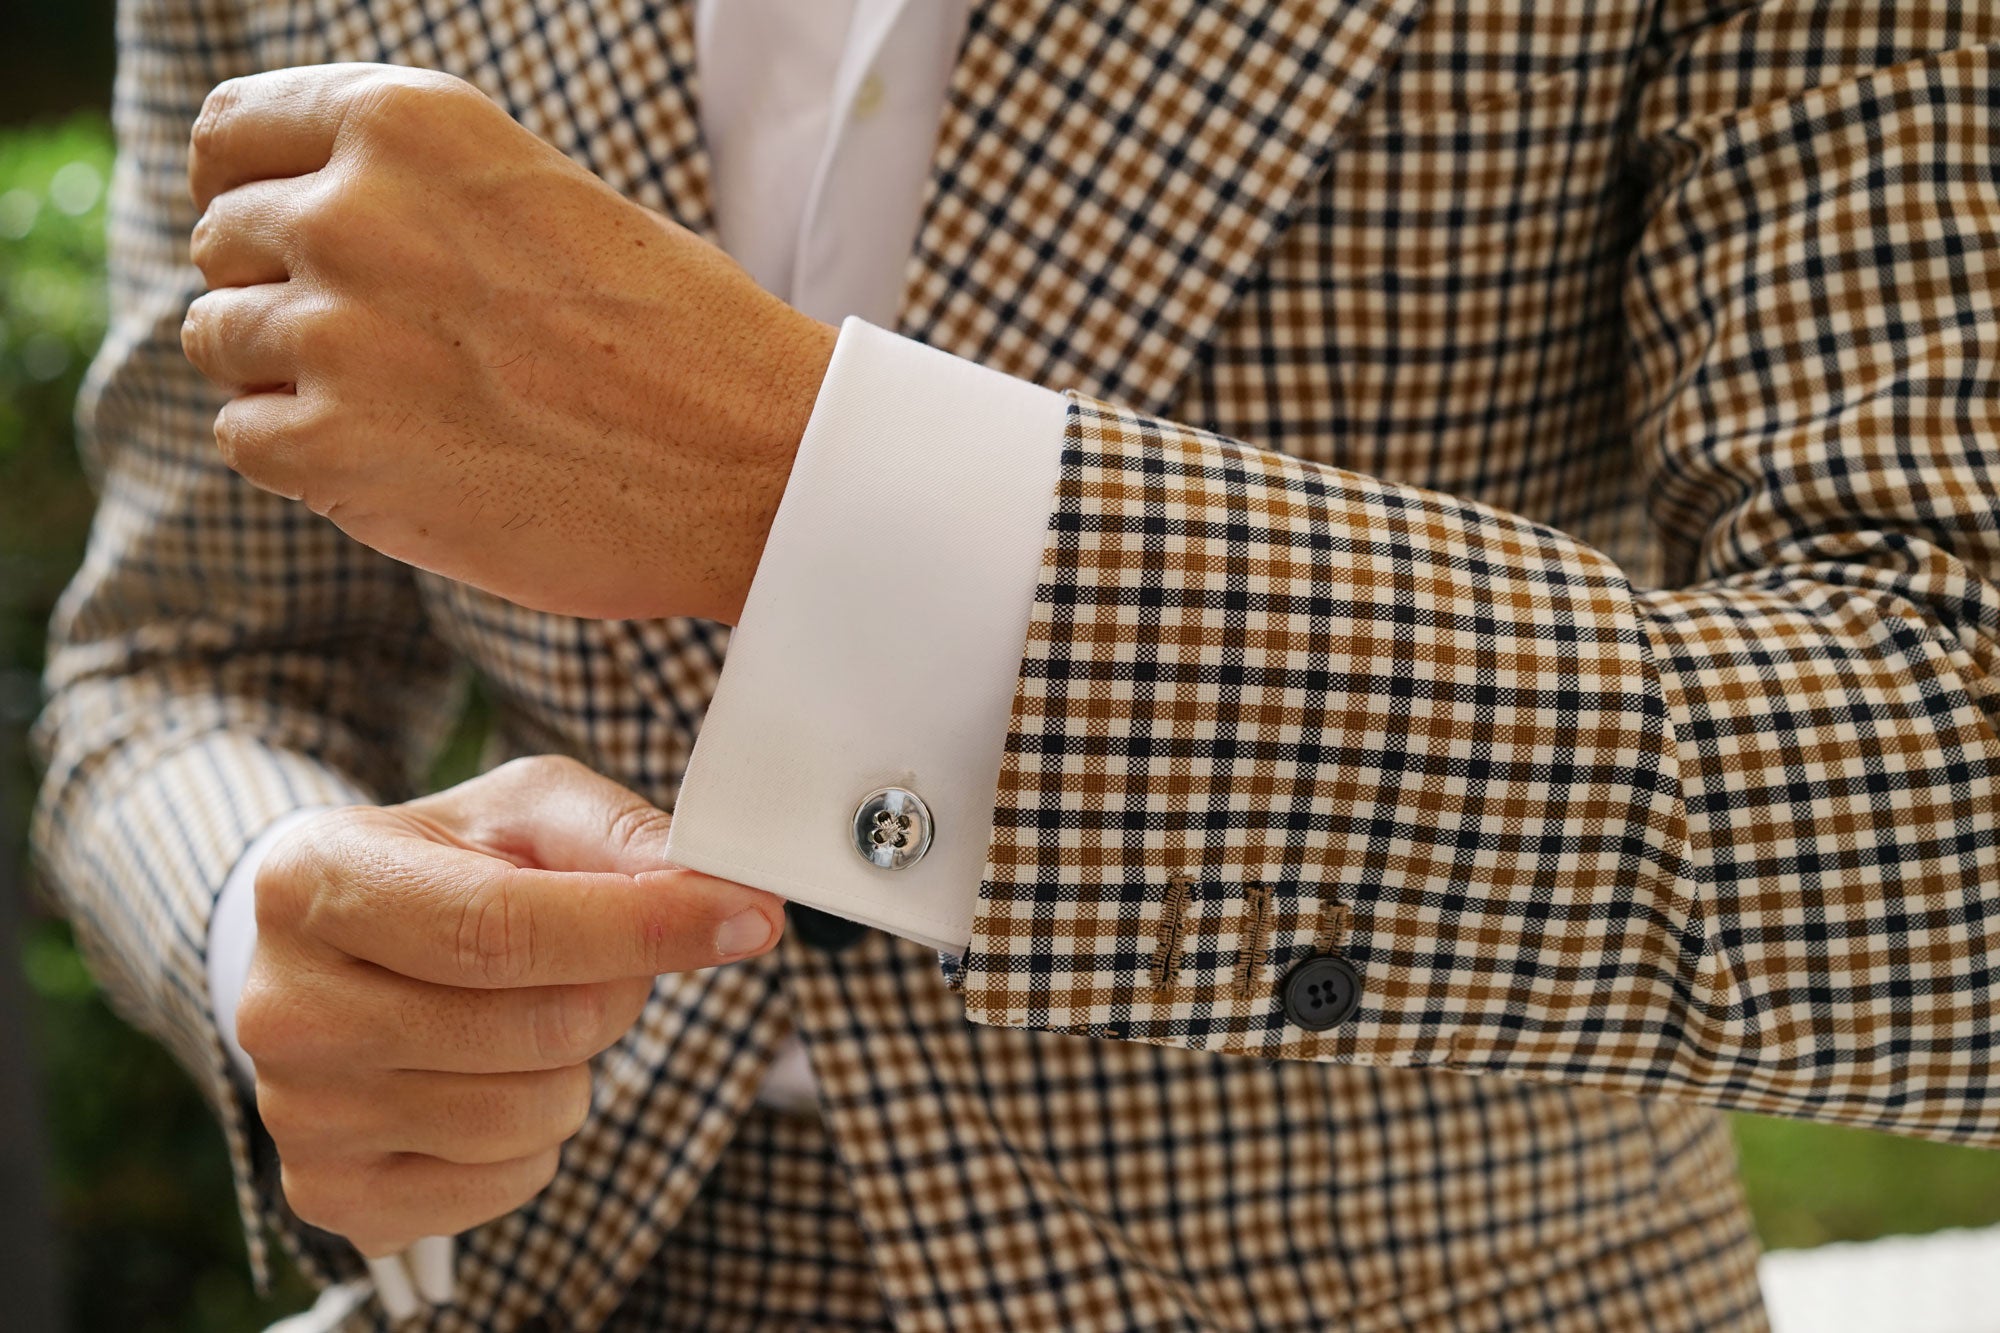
<point>1735,840</point>
<point>223,656</point>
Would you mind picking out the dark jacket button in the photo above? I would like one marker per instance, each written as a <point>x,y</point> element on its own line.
<point>823,930</point>
<point>1321,992</point>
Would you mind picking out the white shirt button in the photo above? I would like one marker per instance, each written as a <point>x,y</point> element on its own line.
<point>892,828</point>
<point>868,97</point>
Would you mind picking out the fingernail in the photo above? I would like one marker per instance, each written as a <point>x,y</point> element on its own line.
<point>745,932</point>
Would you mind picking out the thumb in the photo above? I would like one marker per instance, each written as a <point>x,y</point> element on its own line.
<point>552,813</point>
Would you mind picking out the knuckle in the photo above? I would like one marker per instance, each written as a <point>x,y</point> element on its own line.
<point>388,95</point>
<point>544,770</point>
<point>327,213</point>
<point>295,869</point>
<point>478,1113</point>
<point>215,111</point>
<point>336,871</point>
<point>413,1020</point>
<point>288,1117</point>
<point>229,440</point>
<point>313,429</point>
<point>317,336</point>
<point>198,332</point>
<point>495,937</point>
<point>202,240</point>
<point>569,1028</point>
<point>317,1196</point>
<point>542,1170</point>
<point>393,101</point>
<point>266,1025</point>
<point>638,822</point>
<point>283,1021</point>
<point>575,1102</point>
<point>504,1120</point>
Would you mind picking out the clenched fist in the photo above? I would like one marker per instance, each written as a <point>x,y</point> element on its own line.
<point>475,356</point>
<point>431,981</point>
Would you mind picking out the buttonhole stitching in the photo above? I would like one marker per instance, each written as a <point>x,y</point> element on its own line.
<point>1332,929</point>
<point>1256,929</point>
<point>1173,930</point>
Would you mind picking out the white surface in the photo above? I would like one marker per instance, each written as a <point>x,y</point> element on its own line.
<point>819,118</point>
<point>433,1263</point>
<point>881,639</point>
<point>883,634</point>
<point>1948,1282</point>
<point>393,1284</point>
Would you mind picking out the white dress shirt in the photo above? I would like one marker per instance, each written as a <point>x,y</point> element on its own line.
<point>882,635</point>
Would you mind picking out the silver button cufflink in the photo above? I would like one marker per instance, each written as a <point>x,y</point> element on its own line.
<point>892,828</point>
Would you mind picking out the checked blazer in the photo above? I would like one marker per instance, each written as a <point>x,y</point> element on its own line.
<point>1527,527</point>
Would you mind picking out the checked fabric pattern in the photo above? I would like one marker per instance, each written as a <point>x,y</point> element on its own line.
<point>1569,596</point>
<point>1719,821</point>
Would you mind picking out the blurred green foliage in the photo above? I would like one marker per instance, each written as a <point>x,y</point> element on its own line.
<point>140,1182</point>
<point>52,185</point>
<point>142,1186</point>
<point>51,221</point>
<point>1811,1184</point>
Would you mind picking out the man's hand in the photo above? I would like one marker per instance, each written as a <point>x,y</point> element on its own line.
<point>432,979</point>
<point>475,356</point>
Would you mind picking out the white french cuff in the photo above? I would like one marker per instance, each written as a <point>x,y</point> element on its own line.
<point>880,643</point>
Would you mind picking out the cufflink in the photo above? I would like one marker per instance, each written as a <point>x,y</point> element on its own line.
<point>892,828</point>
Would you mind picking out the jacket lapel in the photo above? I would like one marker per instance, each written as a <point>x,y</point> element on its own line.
<point>1109,173</point>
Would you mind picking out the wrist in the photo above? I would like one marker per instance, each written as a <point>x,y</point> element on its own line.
<point>781,371</point>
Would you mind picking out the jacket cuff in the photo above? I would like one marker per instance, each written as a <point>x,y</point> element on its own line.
<point>1279,783</point>
<point>165,844</point>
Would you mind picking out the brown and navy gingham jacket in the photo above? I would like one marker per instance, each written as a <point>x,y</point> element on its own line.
<point>1528,527</point>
